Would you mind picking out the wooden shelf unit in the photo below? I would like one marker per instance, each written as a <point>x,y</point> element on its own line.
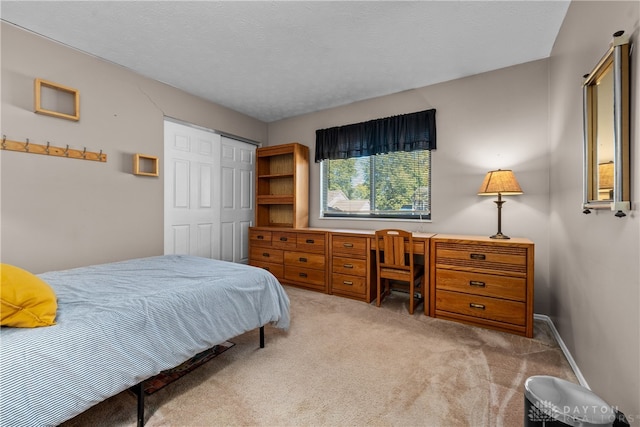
<point>282,186</point>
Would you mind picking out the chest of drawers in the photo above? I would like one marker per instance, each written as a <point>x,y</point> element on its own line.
<point>352,272</point>
<point>483,281</point>
<point>295,256</point>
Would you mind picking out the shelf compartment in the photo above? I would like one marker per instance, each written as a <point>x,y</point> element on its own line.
<point>275,215</point>
<point>281,164</point>
<point>276,185</point>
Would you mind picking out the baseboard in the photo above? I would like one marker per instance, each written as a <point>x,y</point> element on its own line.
<point>563,347</point>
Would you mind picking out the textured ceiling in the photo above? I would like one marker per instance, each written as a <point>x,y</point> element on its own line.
<point>273,60</point>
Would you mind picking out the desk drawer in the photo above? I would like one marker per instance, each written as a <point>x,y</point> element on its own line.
<point>260,238</point>
<point>483,258</point>
<point>349,266</point>
<point>304,260</point>
<point>275,269</point>
<point>355,285</point>
<point>513,288</point>
<point>350,245</point>
<point>266,254</point>
<point>305,275</point>
<point>481,307</point>
<point>311,242</point>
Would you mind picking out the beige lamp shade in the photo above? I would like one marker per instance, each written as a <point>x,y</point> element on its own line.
<point>500,182</point>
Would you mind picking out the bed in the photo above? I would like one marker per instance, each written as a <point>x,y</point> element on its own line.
<point>121,323</point>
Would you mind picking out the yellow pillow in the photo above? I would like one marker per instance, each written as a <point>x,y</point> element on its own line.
<point>26,301</point>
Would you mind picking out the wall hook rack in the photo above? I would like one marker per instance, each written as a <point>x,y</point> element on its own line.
<point>51,150</point>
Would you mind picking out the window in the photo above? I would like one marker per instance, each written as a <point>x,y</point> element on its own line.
<point>378,169</point>
<point>393,185</point>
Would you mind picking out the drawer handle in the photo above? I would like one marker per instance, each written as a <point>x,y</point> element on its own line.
<point>283,239</point>
<point>265,254</point>
<point>347,245</point>
<point>348,266</point>
<point>260,237</point>
<point>347,282</point>
<point>311,241</point>
<point>477,283</point>
<point>302,274</point>
<point>478,306</point>
<point>478,256</point>
<point>302,259</point>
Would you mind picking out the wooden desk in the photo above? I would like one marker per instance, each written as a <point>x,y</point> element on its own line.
<point>471,279</point>
<point>420,240</point>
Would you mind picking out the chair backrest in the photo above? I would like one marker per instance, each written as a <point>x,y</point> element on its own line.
<point>397,248</point>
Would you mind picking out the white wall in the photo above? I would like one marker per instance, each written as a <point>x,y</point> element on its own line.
<point>594,269</point>
<point>487,121</point>
<point>59,213</point>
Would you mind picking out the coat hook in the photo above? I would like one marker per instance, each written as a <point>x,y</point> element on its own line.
<point>84,153</point>
<point>26,146</point>
<point>46,150</point>
<point>4,142</point>
<point>100,156</point>
<point>66,151</point>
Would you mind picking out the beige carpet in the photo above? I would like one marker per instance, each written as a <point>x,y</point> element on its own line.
<point>347,363</point>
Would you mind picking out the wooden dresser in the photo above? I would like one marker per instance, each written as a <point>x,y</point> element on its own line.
<point>295,256</point>
<point>483,281</point>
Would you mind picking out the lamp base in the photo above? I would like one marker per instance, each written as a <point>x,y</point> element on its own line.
<point>499,236</point>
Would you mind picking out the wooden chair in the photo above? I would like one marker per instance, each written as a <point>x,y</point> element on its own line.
<point>394,263</point>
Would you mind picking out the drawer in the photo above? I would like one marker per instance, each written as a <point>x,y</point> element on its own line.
<point>260,238</point>
<point>514,288</point>
<point>419,247</point>
<point>485,258</point>
<point>304,260</point>
<point>283,239</point>
<point>266,254</point>
<point>351,284</point>
<point>275,269</point>
<point>311,242</point>
<point>481,307</point>
<point>305,275</point>
<point>350,266</point>
<point>349,245</point>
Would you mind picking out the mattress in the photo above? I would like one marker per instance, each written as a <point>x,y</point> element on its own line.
<point>120,323</point>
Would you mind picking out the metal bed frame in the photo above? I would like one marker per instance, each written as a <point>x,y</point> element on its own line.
<point>138,389</point>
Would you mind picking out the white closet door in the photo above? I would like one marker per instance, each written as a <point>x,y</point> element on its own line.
<point>209,193</point>
<point>237,165</point>
<point>191,191</point>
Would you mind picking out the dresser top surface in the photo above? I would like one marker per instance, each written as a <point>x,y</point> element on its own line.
<point>416,235</point>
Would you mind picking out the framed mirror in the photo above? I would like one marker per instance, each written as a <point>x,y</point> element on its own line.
<point>606,131</point>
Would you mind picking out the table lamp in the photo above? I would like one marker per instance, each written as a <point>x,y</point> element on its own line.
<point>500,182</point>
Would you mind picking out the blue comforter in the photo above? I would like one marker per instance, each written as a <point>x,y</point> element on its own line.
<point>121,323</point>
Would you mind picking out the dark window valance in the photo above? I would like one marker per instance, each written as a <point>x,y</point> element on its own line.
<point>407,132</point>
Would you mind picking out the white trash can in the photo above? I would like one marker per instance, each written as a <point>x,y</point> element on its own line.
<point>551,401</point>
